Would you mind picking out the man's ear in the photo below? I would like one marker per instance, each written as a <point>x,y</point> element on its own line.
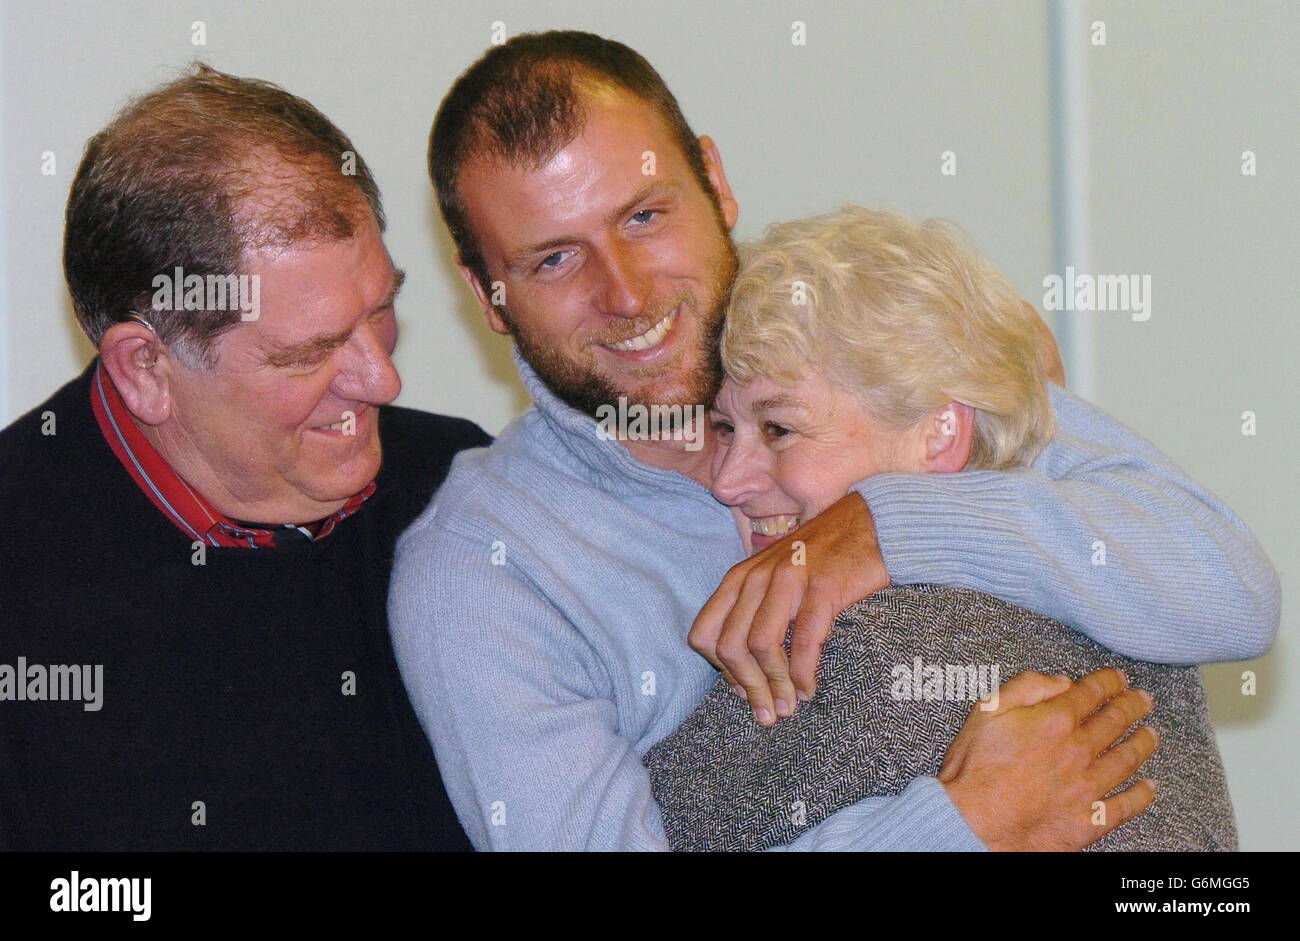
<point>490,313</point>
<point>1048,352</point>
<point>945,437</point>
<point>718,179</point>
<point>140,367</point>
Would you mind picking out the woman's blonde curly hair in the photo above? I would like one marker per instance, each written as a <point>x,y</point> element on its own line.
<point>906,316</point>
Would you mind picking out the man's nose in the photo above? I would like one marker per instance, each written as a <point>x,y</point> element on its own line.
<point>624,283</point>
<point>739,474</point>
<point>367,373</point>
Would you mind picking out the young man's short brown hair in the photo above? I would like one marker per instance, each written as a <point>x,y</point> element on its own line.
<point>522,102</point>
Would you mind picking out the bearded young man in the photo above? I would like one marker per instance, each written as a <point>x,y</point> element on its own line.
<point>204,520</point>
<point>540,606</point>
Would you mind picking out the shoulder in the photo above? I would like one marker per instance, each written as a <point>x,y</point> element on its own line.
<point>516,482</point>
<point>51,445</point>
<point>515,492</point>
<point>419,446</point>
<point>1081,427</point>
<point>917,616</point>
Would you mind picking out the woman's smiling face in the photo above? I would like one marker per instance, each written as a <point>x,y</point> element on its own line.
<point>787,452</point>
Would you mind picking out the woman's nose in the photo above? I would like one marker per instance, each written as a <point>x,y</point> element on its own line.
<point>737,475</point>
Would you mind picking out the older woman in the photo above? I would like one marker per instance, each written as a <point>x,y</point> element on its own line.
<point>856,344</point>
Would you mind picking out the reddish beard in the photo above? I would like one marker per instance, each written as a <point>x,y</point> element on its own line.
<point>696,372</point>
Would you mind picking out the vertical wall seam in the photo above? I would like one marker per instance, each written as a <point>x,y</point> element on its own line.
<point>1071,233</point>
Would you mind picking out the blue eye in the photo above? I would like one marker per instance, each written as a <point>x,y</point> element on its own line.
<point>553,260</point>
<point>643,216</point>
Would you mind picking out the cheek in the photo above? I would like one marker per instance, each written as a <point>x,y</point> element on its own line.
<point>813,477</point>
<point>288,406</point>
<point>547,314</point>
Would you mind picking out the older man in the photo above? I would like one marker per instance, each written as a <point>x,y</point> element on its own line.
<point>196,533</point>
<point>541,606</point>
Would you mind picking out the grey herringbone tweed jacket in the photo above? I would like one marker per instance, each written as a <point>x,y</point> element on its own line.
<point>889,701</point>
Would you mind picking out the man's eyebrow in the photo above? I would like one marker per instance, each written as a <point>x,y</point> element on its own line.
<point>399,279</point>
<point>652,190</point>
<point>655,189</point>
<point>322,343</point>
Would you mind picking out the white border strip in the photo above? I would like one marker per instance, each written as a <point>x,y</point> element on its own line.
<point>1067,30</point>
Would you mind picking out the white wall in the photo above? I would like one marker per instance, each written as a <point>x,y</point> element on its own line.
<point>861,113</point>
<point>885,104</point>
<point>1175,97</point>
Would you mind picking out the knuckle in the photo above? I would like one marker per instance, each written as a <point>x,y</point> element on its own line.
<point>1094,684</point>
<point>785,574</point>
<point>1058,723</point>
<point>1077,754</point>
<point>735,576</point>
<point>1149,741</point>
<point>1133,704</point>
<point>730,652</point>
<point>803,639</point>
<point>820,583</point>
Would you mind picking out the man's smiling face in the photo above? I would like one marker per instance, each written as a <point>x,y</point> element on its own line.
<point>614,278</point>
<point>265,434</point>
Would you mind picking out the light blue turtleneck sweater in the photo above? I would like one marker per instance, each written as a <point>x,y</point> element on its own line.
<point>540,605</point>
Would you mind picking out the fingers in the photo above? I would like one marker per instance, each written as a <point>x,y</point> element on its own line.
<point>767,637</point>
<point>734,684</point>
<point>1029,689</point>
<point>1122,762</point>
<point>1115,718</point>
<point>1126,805</point>
<point>703,636</point>
<point>734,648</point>
<point>812,625</point>
<point>1090,691</point>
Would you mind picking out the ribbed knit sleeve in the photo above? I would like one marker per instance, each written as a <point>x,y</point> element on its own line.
<point>1103,532</point>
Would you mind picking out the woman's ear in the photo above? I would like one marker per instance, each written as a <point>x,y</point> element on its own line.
<point>137,362</point>
<point>945,438</point>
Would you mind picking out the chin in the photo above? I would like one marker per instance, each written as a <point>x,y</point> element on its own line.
<point>342,483</point>
<point>685,385</point>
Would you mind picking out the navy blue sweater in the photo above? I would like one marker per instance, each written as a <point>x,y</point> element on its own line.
<point>226,720</point>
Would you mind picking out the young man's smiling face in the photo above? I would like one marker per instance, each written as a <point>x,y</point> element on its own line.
<point>285,427</point>
<point>614,278</point>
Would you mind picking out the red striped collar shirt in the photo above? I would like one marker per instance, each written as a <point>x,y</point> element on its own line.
<point>176,500</point>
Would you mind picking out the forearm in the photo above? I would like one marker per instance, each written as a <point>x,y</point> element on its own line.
<point>1102,533</point>
<point>921,819</point>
